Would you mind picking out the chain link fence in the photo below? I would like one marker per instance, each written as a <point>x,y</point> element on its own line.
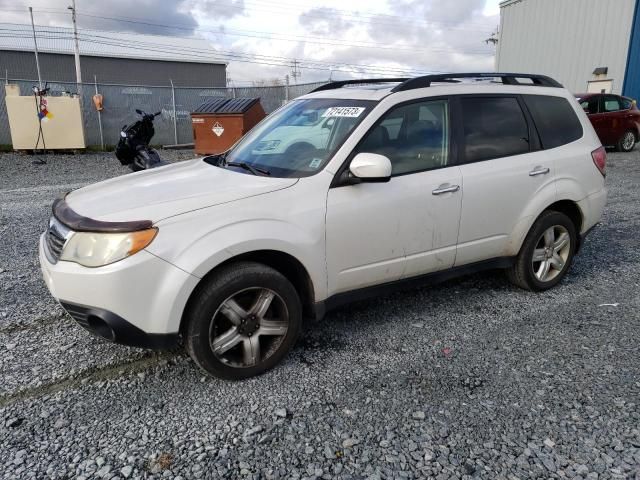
<point>121,102</point>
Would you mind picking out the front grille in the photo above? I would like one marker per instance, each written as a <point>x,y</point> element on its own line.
<point>54,244</point>
<point>55,238</point>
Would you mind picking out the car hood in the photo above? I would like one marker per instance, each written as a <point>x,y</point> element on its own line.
<point>164,192</point>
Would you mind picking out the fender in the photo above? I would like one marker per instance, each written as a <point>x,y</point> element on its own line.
<point>199,241</point>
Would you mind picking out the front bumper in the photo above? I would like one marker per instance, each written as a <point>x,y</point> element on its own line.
<point>113,328</point>
<point>137,301</point>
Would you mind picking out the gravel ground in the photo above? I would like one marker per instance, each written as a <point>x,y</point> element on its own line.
<point>469,379</point>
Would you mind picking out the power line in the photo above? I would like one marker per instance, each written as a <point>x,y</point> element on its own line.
<point>245,58</point>
<point>269,35</point>
<point>357,17</point>
<point>280,37</point>
<point>365,17</point>
<point>56,34</point>
<point>273,60</point>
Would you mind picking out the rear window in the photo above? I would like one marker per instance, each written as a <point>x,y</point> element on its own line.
<point>494,127</point>
<point>555,119</point>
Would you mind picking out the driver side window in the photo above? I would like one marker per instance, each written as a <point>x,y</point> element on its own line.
<point>415,137</point>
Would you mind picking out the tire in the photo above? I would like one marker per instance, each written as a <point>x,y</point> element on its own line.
<point>250,314</point>
<point>530,274</point>
<point>627,142</point>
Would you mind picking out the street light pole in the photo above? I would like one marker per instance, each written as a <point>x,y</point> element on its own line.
<point>35,47</point>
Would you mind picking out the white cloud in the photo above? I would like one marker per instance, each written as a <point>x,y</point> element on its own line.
<point>388,36</point>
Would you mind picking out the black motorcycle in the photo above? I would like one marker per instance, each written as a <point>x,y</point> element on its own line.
<point>133,147</point>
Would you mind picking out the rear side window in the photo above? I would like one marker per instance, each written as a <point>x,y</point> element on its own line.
<point>611,103</point>
<point>493,127</point>
<point>555,120</point>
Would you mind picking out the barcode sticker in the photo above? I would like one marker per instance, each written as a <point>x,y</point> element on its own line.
<point>351,112</point>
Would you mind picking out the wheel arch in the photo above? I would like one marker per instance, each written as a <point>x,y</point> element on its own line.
<point>571,210</point>
<point>569,207</point>
<point>282,262</point>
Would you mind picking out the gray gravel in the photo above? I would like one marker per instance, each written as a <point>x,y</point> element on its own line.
<point>469,379</point>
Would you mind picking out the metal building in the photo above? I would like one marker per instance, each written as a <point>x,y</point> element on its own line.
<point>587,45</point>
<point>112,57</point>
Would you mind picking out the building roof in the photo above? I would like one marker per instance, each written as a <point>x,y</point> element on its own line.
<point>506,3</point>
<point>99,43</point>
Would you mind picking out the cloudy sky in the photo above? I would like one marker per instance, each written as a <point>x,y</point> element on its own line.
<point>260,38</point>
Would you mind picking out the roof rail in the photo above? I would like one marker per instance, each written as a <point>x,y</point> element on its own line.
<point>366,81</point>
<point>507,79</point>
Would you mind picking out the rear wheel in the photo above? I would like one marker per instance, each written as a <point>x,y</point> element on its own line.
<point>244,320</point>
<point>546,254</point>
<point>627,142</point>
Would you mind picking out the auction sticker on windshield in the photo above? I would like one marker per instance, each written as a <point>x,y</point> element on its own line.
<point>351,112</point>
<point>315,163</point>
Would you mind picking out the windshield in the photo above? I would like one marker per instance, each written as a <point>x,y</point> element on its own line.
<point>298,140</point>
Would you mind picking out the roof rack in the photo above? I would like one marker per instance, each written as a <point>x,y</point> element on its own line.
<point>507,79</point>
<point>366,81</point>
<point>427,80</point>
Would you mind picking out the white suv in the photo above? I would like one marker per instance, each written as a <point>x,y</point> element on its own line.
<point>415,180</point>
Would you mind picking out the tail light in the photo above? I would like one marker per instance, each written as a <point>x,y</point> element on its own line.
<point>600,160</point>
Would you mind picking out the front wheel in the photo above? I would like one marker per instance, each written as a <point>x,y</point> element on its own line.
<point>243,321</point>
<point>627,142</point>
<point>546,254</point>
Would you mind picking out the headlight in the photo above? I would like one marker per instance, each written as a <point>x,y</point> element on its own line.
<point>99,249</point>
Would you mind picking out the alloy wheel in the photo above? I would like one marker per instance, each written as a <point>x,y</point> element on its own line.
<point>248,327</point>
<point>551,253</point>
<point>628,141</point>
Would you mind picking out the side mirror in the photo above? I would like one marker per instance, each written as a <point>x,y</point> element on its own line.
<point>371,167</point>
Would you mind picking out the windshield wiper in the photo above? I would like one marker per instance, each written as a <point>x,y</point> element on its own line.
<point>246,166</point>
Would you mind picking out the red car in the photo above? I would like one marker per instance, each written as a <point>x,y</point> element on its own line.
<point>616,119</point>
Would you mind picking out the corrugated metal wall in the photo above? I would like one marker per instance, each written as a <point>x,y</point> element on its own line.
<point>61,68</point>
<point>632,75</point>
<point>566,39</point>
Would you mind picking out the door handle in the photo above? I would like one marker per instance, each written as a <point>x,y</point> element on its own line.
<point>442,189</point>
<point>539,171</point>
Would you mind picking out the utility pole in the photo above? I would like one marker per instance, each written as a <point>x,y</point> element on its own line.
<point>295,71</point>
<point>76,48</point>
<point>35,47</point>
<point>175,117</point>
<point>286,89</point>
